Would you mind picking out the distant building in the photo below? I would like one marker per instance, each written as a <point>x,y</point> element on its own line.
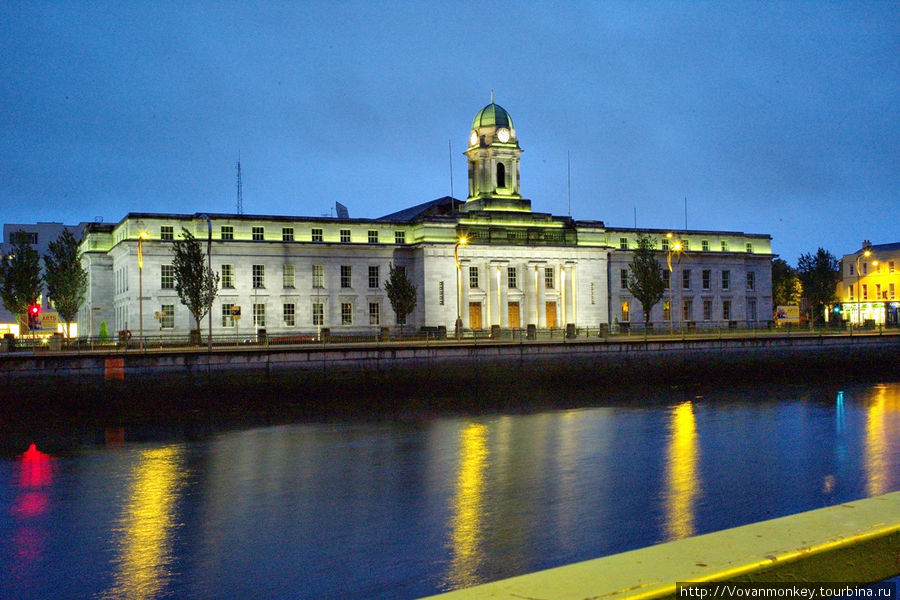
<point>296,275</point>
<point>870,279</point>
<point>39,236</point>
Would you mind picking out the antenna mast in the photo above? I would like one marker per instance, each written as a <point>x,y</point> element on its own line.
<point>240,187</point>
<point>569,179</point>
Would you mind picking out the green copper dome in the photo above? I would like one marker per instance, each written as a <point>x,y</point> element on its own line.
<point>492,115</point>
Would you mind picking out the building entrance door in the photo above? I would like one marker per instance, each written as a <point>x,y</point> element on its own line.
<point>551,315</point>
<point>474,315</point>
<point>514,321</point>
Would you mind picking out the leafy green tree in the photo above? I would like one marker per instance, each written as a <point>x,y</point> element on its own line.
<point>645,276</point>
<point>819,275</point>
<point>785,284</point>
<point>401,292</point>
<point>20,279</point>
<point>196,284</point>
<point>103,334</point>
<point>66,279</point>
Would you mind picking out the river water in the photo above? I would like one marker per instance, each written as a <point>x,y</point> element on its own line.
<point>413,505</point>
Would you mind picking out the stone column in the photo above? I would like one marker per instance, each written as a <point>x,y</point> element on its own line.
<point>464,292</point>
<point>503,296</point>
<point>541,295</point>
<point>485,271</point>
<point>571,301</point>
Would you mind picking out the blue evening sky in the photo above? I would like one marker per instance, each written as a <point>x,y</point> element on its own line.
<point>767,117</point>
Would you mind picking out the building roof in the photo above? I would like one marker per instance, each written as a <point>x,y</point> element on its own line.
<point>492,115</point>
<point>440,206</point>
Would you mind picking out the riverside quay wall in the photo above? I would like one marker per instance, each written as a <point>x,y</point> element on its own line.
<point>321,376</point>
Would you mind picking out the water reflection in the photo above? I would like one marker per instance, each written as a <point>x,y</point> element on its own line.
<point>145,549</point>
<point>32,501</point>
<point>468,507</point>
<point>882,409</point>
<point>681,477</point>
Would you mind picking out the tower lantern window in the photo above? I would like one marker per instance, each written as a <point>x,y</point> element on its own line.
<point>501,175</point>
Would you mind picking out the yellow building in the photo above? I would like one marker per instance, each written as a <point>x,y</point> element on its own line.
<point>869,282</point>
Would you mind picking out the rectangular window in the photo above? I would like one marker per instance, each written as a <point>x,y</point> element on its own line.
<point>865,269</point>
<point>167,232</point>
<point>707,310</point>
<point>373,276</point>
<point>259,276</point>
<point>318,276</point>
<point>686,279</point>
<point>259,315</point>
<point>287,234</point>
<point>441,293</point>
<point>23,237</point>
<point>259,233</point>
<point>374,313</point>
<point>346,276</point>
<point>667,278</point>
<point>687,311</point>
<point>850,289</point>
<point>227,276</point>
<point>891,292</point>
<point>667,310</point>
<point>626,312</point>
<point>751,280</point>
<point>706,278</point>
<point>289,315</point>
<point>399,237</point>
<point>227,232</point>
<point>851,268</point>
<point>167,316</point>
<point>751,309</point>
<point>704,245</point>
<point>726,279</point>
<point>167,280</point>
<point>345,236</point>
<point>548,278</point>
<point>512,276</point>
<point>623,243</point>
<point>623,279</point>
<point>726,310</point>
<point>316,235</point>
<point>288,276</point>
<point>891,266</point>
<point>346,313</point>
<point>665,244</point>
<point>724,246</point>
<point>373,236</point>
<point>227,317</point>
<point>473,277</point>
<point>686,245</point>
<point>877,291</point>
<point>318,313</point>
<point>749,247</point>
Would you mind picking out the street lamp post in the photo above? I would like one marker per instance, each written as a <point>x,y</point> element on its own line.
<point>462,241</point>
<point>674,248</point>
<point>143,235</point>
<point>866,252</point>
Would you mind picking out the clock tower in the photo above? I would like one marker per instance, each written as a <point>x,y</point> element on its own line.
<point>493,155</point>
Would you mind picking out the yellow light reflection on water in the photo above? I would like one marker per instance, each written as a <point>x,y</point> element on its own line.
<point>468,508</point>
<point>878,442</point>
<point>682,477</point>
<point>145,547</point>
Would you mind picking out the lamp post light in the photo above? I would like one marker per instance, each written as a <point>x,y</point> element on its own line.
<point>866,252</point>
<point>461,241</point>
<point>674,248</point>
<point>143,235</point>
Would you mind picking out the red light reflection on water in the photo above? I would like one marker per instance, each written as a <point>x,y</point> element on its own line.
<point>35,477</point>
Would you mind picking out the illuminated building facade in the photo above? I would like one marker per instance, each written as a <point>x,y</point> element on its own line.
<point>487,262</point>
<point>870,280</point>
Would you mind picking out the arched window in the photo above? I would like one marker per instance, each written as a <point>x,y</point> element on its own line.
<point>501,175</point>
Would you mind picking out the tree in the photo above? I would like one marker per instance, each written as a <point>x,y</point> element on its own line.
<point>66,279</point>
<point>645,276</point>
<point>20,279</point>
<point>819,276</point>
<point>401,292</point>
<point>785,284</point>
<point>196,284</point>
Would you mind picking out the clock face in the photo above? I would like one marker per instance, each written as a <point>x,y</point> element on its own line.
<point>473,138</point>
<point>503,135</point>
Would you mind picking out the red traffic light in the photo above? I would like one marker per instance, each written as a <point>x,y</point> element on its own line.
<point>34,309</point>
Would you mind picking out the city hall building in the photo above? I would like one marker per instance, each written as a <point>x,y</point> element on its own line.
<point>488,262</point>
